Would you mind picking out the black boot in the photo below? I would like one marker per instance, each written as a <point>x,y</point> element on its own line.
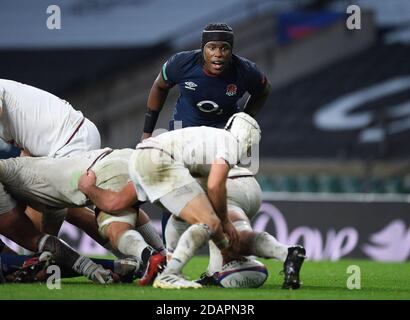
<point>291,267</point>
<point>206,280</point>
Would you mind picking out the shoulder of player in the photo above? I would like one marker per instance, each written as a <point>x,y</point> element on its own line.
<point>185,57</point>
<point>242,63</point>
<point>220,132</point>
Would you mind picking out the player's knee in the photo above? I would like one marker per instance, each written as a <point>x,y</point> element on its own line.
<point>115,230</point>
<point>112,237</point>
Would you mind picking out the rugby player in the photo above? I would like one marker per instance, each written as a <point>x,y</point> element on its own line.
<point>41,124</point>
<point>163,170</point>
<point>243,202</point>
<point>48,184</point>
<point>211,81</point>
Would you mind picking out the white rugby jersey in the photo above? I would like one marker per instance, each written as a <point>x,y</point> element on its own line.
<point>34,119</point>
<point>197,147</point>
<point>45,182</point>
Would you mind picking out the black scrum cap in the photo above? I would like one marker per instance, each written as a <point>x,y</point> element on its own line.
<point>217,32</point>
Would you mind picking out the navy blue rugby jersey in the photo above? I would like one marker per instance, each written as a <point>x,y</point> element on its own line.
<point>208,100</point>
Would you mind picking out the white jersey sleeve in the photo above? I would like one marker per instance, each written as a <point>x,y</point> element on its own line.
<point>135,178</point>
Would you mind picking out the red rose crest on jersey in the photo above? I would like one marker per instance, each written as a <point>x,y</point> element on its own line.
<point>231,90</point>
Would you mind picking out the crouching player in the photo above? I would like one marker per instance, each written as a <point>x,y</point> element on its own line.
<point>163,170</point>
<point>243,203</point>
<point>52,184</point>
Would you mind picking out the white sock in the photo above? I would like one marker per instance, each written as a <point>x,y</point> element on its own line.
<point>131,243</point>
<point>266,246</point>
<point>215,259</point>
<point>84,266</point>
<point>173,231</point>
<point>151,236</point>
<point>191,240</point>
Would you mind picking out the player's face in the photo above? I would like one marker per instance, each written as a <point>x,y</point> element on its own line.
<point>217,55</point>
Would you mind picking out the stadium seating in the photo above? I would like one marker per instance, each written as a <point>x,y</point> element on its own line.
<point>327,183</point>
<point>290,110</point>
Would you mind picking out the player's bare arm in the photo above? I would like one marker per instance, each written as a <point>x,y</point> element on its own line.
<point>156,99</point>
<point>25,153</point>
<point>216,190</point>
<point>107,200</point>
<point>255,102</point>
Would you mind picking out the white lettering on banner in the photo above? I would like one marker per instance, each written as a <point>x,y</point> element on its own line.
<point>337,244</point>
<point>342,114</point>
<point>392,243</point>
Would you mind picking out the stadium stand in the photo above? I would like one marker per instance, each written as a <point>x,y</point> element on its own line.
<point>94,64</point>
<point>327,183</point>
<point>290,111</point>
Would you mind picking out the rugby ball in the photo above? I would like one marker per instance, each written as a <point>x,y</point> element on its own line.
<point>246,273</point>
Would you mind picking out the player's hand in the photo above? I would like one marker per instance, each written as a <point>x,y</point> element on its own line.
<point>93,271</point>
<point>232,233</point>
<point>145,135</point>
<point>87,180</point>
<point>101,276</point>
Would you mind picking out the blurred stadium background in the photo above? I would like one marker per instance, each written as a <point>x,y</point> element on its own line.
<point>335,149</point>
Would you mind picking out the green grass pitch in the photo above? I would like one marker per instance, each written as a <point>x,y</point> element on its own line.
<point>321,280</point>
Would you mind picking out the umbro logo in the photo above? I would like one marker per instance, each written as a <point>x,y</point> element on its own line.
<point>190,85</point>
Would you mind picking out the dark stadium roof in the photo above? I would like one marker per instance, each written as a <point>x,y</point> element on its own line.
<point>57,71</point>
